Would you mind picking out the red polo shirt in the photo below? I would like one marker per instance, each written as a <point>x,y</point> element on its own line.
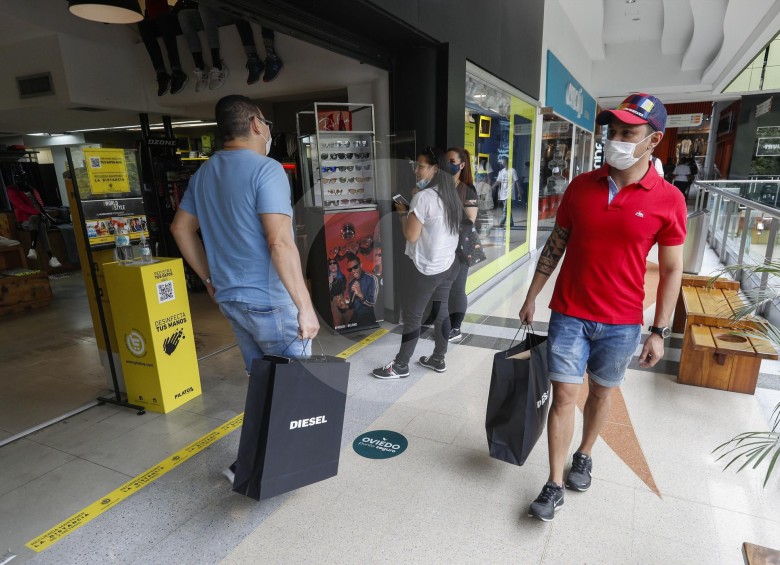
<point>603,271</point>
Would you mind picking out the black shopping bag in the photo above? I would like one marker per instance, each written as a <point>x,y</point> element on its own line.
<point>293,422</point>
<point>518,401</point>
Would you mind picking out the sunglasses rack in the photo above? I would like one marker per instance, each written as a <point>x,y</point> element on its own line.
<point>339,160</point>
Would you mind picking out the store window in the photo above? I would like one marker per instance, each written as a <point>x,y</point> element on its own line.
<point>499,137</point>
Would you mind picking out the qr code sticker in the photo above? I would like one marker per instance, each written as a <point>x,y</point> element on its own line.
<point>165,292</point>
<point>94,162</point>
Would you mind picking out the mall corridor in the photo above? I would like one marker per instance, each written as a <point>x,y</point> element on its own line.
<point>658,494</point>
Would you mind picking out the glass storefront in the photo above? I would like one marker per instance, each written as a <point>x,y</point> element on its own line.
<point>500,138</point>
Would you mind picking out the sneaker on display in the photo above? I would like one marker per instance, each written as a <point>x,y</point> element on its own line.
<point>178,81</point>
<point>433,362</point>
<point>392,370</point>
<point>217,76</point>
<point>255,67</point>
<point>455,335</point>
<point>54,263</point>
<point>163,82</point>
<point>273,65</point>
<point>579,476</point>
<point>4,241</point>
<point>547,503</point>
<point>32,254</point>
<point>201,80</point>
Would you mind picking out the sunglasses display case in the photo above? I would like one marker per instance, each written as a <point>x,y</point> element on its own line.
<point>337,156</point>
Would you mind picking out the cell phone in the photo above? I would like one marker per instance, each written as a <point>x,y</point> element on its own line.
<point>401,200</point>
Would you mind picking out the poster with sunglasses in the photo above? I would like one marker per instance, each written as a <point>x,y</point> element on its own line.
<point>354,256</point>
<point>334,120</point>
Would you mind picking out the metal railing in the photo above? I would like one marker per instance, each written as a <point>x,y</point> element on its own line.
<point>744,221</point>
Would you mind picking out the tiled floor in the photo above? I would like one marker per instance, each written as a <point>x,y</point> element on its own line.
<point>443,500</point>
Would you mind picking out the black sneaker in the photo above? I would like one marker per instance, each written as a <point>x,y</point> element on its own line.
<point>579,476</point>
<point>435,363</point>
<point>178,81</point>
<point>163,82</point>
<point>548,501</point>
<point>273,65</point>
<point>255,67</point>
<point>392,370</point>
<point>455,335</point>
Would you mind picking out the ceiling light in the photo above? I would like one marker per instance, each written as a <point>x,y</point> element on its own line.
<point>107,11</point>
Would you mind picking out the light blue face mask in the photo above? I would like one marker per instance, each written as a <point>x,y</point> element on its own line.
<point>422,183</point>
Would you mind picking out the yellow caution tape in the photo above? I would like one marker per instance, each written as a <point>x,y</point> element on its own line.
<point>362,343</point>
<point>55,534</point>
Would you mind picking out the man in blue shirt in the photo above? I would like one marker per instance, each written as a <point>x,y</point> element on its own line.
<point>240,201</point>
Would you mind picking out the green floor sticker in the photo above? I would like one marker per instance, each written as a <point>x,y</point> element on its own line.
<point>380,444</point>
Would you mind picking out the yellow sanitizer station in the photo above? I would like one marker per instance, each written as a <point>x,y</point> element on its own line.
<point>154,333</point>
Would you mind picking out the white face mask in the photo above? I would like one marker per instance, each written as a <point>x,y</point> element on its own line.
<point>267,144</point>
<point>620,154</point>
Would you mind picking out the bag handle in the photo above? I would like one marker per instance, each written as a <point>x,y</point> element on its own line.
<point>529,328</point>
<point>305,345</point>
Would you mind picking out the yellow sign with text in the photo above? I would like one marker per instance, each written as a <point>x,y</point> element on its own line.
<point>153,328</point>
<point>107,170</point>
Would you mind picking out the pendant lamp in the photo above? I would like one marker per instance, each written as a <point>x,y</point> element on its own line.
<point>107,11</point>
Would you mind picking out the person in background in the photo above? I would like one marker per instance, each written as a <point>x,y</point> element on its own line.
<point>240,201</point>
<point>460,169</point>
<point>668,168</point>
<point>608,221</point>
<point>194,16</point>
<point>683,176</point>
<point>30,215</point>
<point>430,226</point>
<point>158,20</point>
<point>504,193</point>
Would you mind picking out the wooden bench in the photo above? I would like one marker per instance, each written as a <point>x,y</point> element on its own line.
<point>680,320</point>
<point>714,354</point>
<point>721,359</point>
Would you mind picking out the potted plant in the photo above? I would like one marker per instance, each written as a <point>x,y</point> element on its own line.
<point>763,447</point>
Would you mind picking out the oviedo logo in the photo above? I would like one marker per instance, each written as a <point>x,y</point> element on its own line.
<point>380,444</point>
<point>135,342</point>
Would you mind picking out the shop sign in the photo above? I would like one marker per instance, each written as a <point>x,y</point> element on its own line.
<point>380,444</point>
<point>107,170</point>
<point>764,108</point>
<point>768,147</point>
<point>556,128</point>
<point>598,155</point>
<point>684,120</point>
<point>567,96</point>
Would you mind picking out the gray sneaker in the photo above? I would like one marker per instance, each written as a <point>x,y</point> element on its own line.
<point>547,503</point>
<point>579,476</point>
<point>217,76</point>
<point>435,363</point>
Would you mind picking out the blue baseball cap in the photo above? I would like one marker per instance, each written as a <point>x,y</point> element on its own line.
<point>637,109</point>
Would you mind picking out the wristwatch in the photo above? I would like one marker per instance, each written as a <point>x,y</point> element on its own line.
<point>663,332</point>
<point>207,280</point>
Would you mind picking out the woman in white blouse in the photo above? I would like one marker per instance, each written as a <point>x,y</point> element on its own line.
<point>430,227</point>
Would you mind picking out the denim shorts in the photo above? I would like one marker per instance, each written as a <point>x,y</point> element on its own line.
<point>260,330</point>
<point>605,350</point>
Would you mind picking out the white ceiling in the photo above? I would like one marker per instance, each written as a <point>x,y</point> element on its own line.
<point>681,50</point>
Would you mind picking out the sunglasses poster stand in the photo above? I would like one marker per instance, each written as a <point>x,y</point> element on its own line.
<point>344,258</point>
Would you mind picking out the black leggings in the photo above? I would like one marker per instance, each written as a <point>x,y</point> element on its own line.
<point>168,26</point>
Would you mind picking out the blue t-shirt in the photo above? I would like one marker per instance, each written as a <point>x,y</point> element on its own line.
<point>226,195</point>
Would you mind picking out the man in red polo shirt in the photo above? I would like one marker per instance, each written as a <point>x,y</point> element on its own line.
<point>608,221</point>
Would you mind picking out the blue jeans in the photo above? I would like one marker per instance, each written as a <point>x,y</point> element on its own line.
<point>261,330</point>
<point>574,344</point>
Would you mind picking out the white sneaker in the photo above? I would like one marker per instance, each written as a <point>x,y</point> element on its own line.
<point>54,263</point>
<point>229,474</point>
<point>217,76</point>
<point>201,80</point>
<point>32,254</point>
<point>4,241</point>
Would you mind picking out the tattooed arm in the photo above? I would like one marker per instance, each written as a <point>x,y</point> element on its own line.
<point>551,254</point>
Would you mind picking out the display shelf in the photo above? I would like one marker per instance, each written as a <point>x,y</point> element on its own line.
<point>338,165</point>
